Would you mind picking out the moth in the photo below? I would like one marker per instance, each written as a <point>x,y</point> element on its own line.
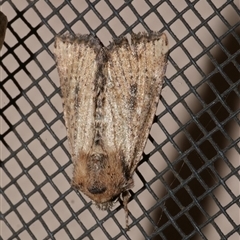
<point>110,96</point>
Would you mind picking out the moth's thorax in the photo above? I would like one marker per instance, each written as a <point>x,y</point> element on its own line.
<point>101,176</point>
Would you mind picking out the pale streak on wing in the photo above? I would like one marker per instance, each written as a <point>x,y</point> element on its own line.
<point>134,83</point>
<point>76,61</point>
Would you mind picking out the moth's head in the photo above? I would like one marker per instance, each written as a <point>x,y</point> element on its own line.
<point>102,177</point>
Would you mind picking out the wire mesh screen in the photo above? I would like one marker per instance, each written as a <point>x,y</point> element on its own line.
<point>187,182</point>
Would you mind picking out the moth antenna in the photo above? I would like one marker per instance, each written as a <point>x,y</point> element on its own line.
<point>126,196</point>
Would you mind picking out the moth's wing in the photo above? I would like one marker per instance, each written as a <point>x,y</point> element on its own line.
<point>134,82</point>
<point>76,63</point>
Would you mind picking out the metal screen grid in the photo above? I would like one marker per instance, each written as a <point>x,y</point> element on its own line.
<point>187,183</point>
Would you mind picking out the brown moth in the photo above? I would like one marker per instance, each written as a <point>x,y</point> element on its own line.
<point>3,26</point>
<point>110,96</point>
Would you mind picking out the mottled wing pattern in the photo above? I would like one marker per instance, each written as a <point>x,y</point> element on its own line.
<point>134,82</point>
<point>76,62</point>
